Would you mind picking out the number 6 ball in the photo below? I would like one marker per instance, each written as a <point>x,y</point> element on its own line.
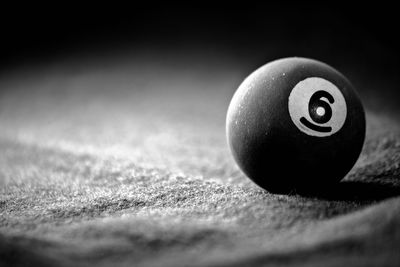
<point>295,124</point>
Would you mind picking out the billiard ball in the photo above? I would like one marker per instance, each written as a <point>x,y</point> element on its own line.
<point>295,125</point>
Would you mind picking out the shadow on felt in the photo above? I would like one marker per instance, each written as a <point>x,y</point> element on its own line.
<point>355,191</point>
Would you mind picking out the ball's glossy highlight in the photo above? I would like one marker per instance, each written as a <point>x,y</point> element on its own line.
<point>295,124</point>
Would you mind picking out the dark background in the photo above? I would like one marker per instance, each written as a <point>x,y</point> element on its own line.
<point>365,32</point>
<point>359,40</point>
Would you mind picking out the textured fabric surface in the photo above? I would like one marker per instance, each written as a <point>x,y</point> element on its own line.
<point>124,162</point>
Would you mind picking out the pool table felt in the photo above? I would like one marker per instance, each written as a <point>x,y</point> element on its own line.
<point>123,161</point>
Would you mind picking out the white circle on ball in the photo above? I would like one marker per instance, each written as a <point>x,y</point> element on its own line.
<point>299,100</point>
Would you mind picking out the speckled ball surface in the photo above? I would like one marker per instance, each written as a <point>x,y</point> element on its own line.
<point>295,124</point>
